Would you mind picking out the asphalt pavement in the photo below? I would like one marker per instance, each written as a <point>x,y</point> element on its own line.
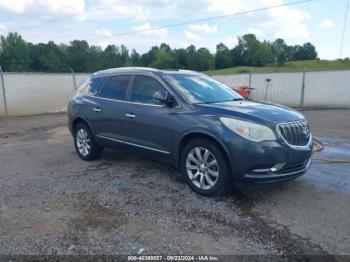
<point>51,202</point>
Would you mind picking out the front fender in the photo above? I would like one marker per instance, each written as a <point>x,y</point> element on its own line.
<point>200,132</point>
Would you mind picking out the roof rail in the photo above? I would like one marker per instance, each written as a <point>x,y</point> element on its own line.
<point>120,69</point>
<point>188,71</point>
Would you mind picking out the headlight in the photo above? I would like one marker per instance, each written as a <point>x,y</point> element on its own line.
<point>248,130</point>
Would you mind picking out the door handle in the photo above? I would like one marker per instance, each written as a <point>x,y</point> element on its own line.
<point>95,109</point>
<point>130,115</point>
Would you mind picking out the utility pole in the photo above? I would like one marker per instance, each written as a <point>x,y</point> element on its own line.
<point>250,79</point>
<point>268,80</point>
<point>74,80</point>
<point>3,91</point>
<point>302,97</point>
<point>344,29</point>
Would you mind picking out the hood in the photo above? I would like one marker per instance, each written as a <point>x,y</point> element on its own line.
<point>269,114</point>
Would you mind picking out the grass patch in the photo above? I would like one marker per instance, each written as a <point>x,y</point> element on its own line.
<point>295,66</point>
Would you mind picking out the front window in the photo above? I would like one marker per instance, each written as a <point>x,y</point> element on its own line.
<point>196,89</point>
<point>144,88</point>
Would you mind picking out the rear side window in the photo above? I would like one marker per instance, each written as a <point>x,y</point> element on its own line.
<point>92,86</point>
<point>116,88</point>
<point>144,88</point>
<point>96,84</point>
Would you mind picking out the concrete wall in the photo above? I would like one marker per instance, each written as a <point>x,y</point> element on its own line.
<point>323,89</point>
<point>327,89</point>
<point>37,93</point>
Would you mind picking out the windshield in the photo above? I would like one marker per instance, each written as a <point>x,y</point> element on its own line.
<point>197,89</point>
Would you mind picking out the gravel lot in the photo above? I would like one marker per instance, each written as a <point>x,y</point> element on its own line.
<point>51,202</point>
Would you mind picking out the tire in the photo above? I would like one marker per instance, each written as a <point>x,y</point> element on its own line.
<point>85,145</point>
<point>204,177</point>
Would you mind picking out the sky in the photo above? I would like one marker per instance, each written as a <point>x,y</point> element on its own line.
<point>101,22</point>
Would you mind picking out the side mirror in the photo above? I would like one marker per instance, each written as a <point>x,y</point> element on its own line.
<point>164,97</point>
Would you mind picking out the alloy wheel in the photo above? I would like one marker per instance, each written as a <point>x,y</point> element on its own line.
<point>83,142</point>
<point>202,168</point>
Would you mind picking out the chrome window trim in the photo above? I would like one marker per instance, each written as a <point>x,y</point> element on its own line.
<point>293,146</point>
<point>133,144</point>
<point>122,101</point>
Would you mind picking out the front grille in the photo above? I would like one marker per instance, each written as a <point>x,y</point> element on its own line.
<point>295,133</point>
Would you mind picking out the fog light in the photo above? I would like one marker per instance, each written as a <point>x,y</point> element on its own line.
<point>275,168</point>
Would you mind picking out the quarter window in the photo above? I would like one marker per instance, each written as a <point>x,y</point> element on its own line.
<point>116,88</point>
<point>91,86</point>
<point>144,88</point>
<point>95,85</point>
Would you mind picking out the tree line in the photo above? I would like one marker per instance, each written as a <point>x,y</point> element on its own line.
<point>17,55</point>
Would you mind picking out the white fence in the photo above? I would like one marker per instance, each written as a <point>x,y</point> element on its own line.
<point>322,89</point>
<point>37,93</point>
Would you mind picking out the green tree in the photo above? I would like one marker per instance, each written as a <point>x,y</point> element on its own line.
<point>96,60</point>
<point>235,56</point>
<point>149,57</point>
<point>305,52</point>
<point>78,53</point>
<point>222,56</point>
<point>181,57</point>
<point>279,51</point>
<point>14,53</point>
<point>192,61</point>
<point>135,58</point>
<point>124,56</point>
<point>164,60</point>
<point>17,55</point>
<point>255,53</point>
<point>113,57</point>
<point>47,57</point>
<point>205,59</point>
<point>165,48</point>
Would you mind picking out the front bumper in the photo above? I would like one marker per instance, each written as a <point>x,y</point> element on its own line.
<point>266,163</point>
<point>261,179</point>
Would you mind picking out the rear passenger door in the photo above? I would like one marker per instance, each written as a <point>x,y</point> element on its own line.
<point>87,99</point>
<point>110,121</point>
<point>150,122</point>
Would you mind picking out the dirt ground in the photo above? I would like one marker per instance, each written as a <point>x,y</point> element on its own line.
<point>52,203</point>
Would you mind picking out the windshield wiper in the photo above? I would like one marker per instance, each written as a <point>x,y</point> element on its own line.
<point>237,99</point>
<point>214,102</point>
<point>233,99</point>
<point>207,102</point>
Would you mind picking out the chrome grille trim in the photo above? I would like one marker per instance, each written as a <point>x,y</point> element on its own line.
<point>294,135</point>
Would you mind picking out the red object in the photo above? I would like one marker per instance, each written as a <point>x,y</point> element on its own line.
<point>244,91</point>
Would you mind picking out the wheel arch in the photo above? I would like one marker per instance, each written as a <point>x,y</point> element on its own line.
<point>77,120</point>
<point>205,135</point>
